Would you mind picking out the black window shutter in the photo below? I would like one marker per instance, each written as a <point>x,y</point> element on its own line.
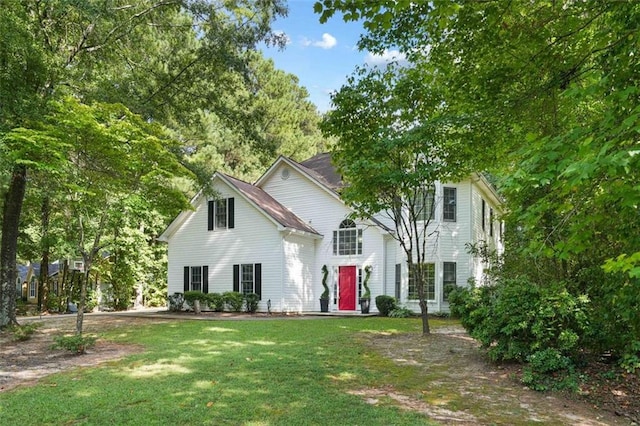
<point>257,279</point>
<point>236,278</point>
<point>230,210</point>
<point>205,279</point>
<point>210,210</point>
<point>186,278</point>
<point>398,280</point>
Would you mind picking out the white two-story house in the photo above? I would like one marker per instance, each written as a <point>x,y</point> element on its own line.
<point>274,236</point>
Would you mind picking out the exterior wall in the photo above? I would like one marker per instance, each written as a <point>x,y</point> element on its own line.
<point>298,293</point>
<point>481,236</point>
<point>254,239</point>
<point>322,210</point>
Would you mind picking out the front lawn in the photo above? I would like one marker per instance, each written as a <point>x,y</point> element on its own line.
<point>288,372</point>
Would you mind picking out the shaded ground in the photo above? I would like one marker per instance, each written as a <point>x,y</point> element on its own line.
<point>460,387</point>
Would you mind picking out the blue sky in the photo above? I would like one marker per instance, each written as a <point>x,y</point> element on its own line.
<point>321,55</point>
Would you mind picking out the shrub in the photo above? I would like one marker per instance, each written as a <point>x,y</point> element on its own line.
<point>23,332</point>
<point>251,302</point>
<point>215,301</point>
<point>517,318</point>
<point>191,296</point>
<point>549,369</point>
<point>176,302</point>
<point>233,300</point>
<point>401,312</point>
<point>77,343</point>
<point>385,304</point>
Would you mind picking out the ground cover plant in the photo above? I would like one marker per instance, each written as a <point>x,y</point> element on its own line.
<point>272,371</point>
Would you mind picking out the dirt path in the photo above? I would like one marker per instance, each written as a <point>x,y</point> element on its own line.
<point>460,387</point>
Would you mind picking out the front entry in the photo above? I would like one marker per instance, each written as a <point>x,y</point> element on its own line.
<point>347,288</point>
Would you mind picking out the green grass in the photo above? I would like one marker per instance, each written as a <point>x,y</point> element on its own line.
<point>276,372</point>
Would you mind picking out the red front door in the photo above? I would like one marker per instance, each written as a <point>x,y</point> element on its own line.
<point>347,288</point>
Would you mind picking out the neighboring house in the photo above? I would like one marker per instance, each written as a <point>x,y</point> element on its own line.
<point>29,276</point>
<point>274,236</point>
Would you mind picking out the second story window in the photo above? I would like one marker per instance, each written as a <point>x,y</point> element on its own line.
<point>347,240</point>
<point>449,203</point>
<point>424,204</point>
<point>220,214</point>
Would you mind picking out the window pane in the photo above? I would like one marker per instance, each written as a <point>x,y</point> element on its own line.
<point>221,214</point>
<point>429,277</point>
<point>449,204</point>
<point>448,278</point>
<point>196,278</point>
<point>247,279</point>
<point>424,204</point>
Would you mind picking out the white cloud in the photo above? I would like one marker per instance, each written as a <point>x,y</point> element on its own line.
<point>385,58</point>
<point>282,36</point>
<point>328,41</point>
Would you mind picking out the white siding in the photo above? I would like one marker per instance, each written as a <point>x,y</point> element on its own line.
<point>254,239</point>
<point>324,212</point>
<point>298,293</point>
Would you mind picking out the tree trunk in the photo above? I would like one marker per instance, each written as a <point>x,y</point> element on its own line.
<point>43,285</point>
<point>9,245</point>
<point>84,282</point>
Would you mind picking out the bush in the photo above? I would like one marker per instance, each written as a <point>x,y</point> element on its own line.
<point>517,318</point>
<point>251,302</point>
<point>191,296</point>
<point>176,302</point>
<point>23,332</point>
<point>215,301</point>
<point>549,369</point>
<point>233,300</point>
<point>385,304</point>
<point>77,343</point>
<point>401,312</point>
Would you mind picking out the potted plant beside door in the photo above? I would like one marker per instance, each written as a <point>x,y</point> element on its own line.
<point>365,299</point>
<point>324,297</point>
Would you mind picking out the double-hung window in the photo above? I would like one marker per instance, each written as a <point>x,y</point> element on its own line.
<point>424,204</point>
<point>347,240</point>
<point>449,204</point>
<point>196,278</point>
<point>220,214</point>
<point>428,280</point>
<point>448,279</point>
<point>247,278</point>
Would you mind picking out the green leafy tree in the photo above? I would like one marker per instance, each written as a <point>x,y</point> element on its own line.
<point>550,89</point>
<point>162,59</point>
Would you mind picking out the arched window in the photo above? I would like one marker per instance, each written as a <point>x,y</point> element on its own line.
<point>347,240</point>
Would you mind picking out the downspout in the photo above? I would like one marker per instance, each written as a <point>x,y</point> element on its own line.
<point>282,257</point>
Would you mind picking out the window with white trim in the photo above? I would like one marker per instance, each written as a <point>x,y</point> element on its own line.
<point>247,278</point>
<point>448,279</point>
<point>32,288</point>
<point>429,281</point>
<point>424,204</point>
<point>449,204</point>
<point>220,214</point>
<point>347,240</point>
<point>196,278</point>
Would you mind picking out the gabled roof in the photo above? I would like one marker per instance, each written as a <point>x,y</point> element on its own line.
<point>269,205</point>
<point>321,167</point>
<point>261,200</point>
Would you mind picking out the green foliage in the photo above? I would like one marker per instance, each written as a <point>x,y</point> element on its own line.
<point>176,302</point>
<point>325,273</point>
<point>233,300</point>
<point>215,301</point>
<point>25,331</point>
<point>517,318</point>
<point>549,369</point>
<point>77,343</point>
<point>385,304</point>
<point>367,275</point>
<point>191,296</point>
<point>251,302</point>
<point>401,312</point>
